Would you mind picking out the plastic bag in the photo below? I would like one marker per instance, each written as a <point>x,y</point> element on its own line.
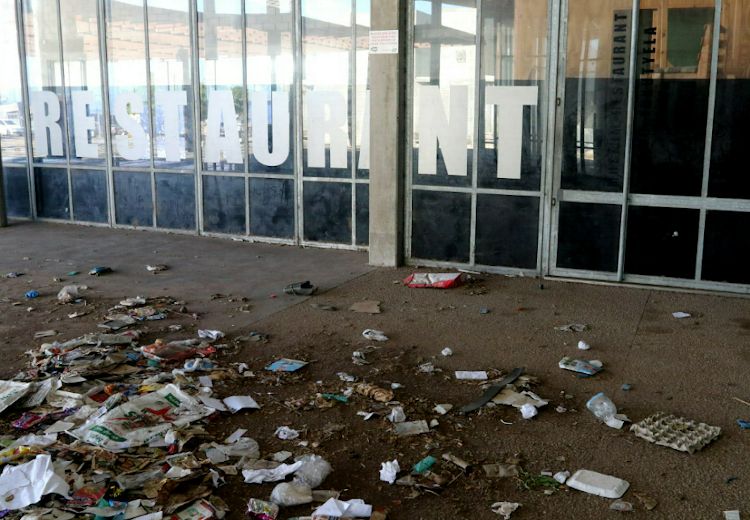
<point>313,471</point>
<point>397,415</point>
<point>291,494</point>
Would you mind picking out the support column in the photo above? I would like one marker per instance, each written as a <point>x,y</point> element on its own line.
<point>388,137</point>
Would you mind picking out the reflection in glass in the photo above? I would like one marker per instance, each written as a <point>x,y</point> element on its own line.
<point>171,83</point>
<point>728,175</point>
<point>444,79</point>
<point>596,94</point>
<point>671,97</point>
<point>362,84</point>
<point>220,62</point>
<point>44,72</point>
<point>12,120</point>
<point>514,54</point>
<point>83,83</point>
<point>270,78</point>
<point>326,47</point>
<point>128,85</point>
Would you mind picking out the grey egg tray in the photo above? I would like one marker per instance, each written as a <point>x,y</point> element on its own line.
<point>675,432</point>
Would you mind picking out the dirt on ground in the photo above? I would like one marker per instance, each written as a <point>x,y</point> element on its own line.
<point>691,367</point>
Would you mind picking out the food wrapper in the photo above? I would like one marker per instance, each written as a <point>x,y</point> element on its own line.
<point>262,510</point>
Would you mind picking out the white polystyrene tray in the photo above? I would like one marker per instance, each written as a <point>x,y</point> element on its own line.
<point>598,484</point>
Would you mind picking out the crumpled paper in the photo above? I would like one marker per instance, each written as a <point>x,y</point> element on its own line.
<point>26,484</point>
<point>350,509</point>
<point>258,476</point>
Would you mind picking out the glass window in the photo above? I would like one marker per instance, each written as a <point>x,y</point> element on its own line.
<point>671,98</point>
<point>444,80</point>
<point>596,95</point>
<point>45,81</point>
<point>326,83</point>
<point>83,83</point>
<point>728,175</point>
<point>270,79</point>
<point>13,133</point>
<point>514,67</point>
<point>171,83</point>
<point>222,99</point>
<point>128,84</point>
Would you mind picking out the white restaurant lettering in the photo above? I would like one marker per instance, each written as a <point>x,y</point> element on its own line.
<point>326,116</point>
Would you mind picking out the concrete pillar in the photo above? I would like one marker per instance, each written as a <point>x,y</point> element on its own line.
<point>388,137</point>
<point>3,210</point>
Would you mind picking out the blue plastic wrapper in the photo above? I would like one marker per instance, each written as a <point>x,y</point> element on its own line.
<point>96,271</point>
<point>31,294</point>
<point>744,424</point>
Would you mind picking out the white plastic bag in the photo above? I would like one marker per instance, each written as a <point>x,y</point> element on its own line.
<point>313,471</point>
<point>397,415</point>
<point>291,494</point>
<point>389,470</point>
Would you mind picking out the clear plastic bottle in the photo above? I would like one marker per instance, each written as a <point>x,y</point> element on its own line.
<point>602,406</point>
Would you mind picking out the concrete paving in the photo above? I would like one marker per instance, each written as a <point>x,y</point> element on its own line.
<point>199,267</point>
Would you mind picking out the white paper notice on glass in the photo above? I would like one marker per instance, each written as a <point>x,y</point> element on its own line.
<point>383,42</point>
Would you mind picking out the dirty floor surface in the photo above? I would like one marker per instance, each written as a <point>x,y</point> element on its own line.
<point>691,367</point>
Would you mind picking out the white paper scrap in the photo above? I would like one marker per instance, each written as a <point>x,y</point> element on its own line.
<point>235,436</point>
<point>238,402</point>
<point>338,508</point>
<point>468,374</point>
<point>258,476</point>
<point>26,484</point>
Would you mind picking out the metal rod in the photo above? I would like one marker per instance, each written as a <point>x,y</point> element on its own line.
<point>709,136</point>
<point>246,117</point>
<point>66,127</point>
<point>20,29</point>
<point>298,65</point>
<point>475,152</point>
<point>151,107</point>
<point>353,113</point>
<point>628,139</point>
<point>106,109</point>
<point>197,134</point>
<point>409,148</point>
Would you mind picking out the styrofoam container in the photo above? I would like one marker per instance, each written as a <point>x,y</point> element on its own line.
<point>598,484</point>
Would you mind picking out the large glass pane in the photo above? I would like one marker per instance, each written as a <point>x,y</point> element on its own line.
<point>45,81</point>
<point>596,94</point>
<point>327,47</point>
<point>671,97</point>
<point>725,250</point>
<point>171,83</point>
<point>728,176</point>
<point>128,84</point>
<point>270,78</point>
<point>222,100</point>
<point>588,236</point>
<point>83,81</point>
<point>12,120</point>
<point>362,84</point>
<point>514,67</point>
<point>328,211</point>
<point>444,79</point>
<point>441,226</point>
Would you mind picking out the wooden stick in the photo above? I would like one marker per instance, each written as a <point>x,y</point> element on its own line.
<point>740,400</point>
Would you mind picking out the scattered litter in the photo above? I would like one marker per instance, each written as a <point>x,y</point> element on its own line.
<point>576,365</point>
<point>70,293</point>
<point>156,268</point>
<point>621,505</point>
<point>31,294</point>
<point>12,391</point>
<point>379,394</point>
<point>443,409</point>
<point>732,515</point>
<point>411,428</point>
<point>397,415</point>
<point>290,494</point>
<point>505,508</point>
<point>428,368</point>
<point>474,375</point>
<point>347,378</point>
<point>389,470</point>
<point>366,415</point>
<point>528,411</point>
<point>286,365</point>
<point>572,327</point>
<point>484,311</point>
<point>73,273</point>
<point>455,460</point>
<point>261,509</point>
<point>300,289</point>
<point>366,307</point>
<point>350,509</point>
<point>492,391</point>
<point>647,500</point>
<point>98,271</point>
<point>274,474</point>
<point>598,484</point>
<point>680,314</point>
<point>286,434</point>
<point>625,387</point>
<point>675,432</point>
<point>501,470</point>
<point>45,334</point>
<point>10,275</point>
<point>212,335</point>
<point>582,345</point>
<point>561,476</point>
<point>322,307</point>
<point>133,302</point>
<point>313,471</point>
<point>26,484</point>
<point>743,424</point>
<point>730,480</point>
<point>606,411</point>
<point>510,397</point>
<point>375,335</point>
<point>424,464</point>
<point>595,362</point>
<point>447,352</point>
<point>435,280</point>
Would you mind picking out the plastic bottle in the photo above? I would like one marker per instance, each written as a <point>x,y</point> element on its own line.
<point>602,406</point>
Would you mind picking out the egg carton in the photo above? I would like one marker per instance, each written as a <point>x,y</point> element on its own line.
<point>675,432</point>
